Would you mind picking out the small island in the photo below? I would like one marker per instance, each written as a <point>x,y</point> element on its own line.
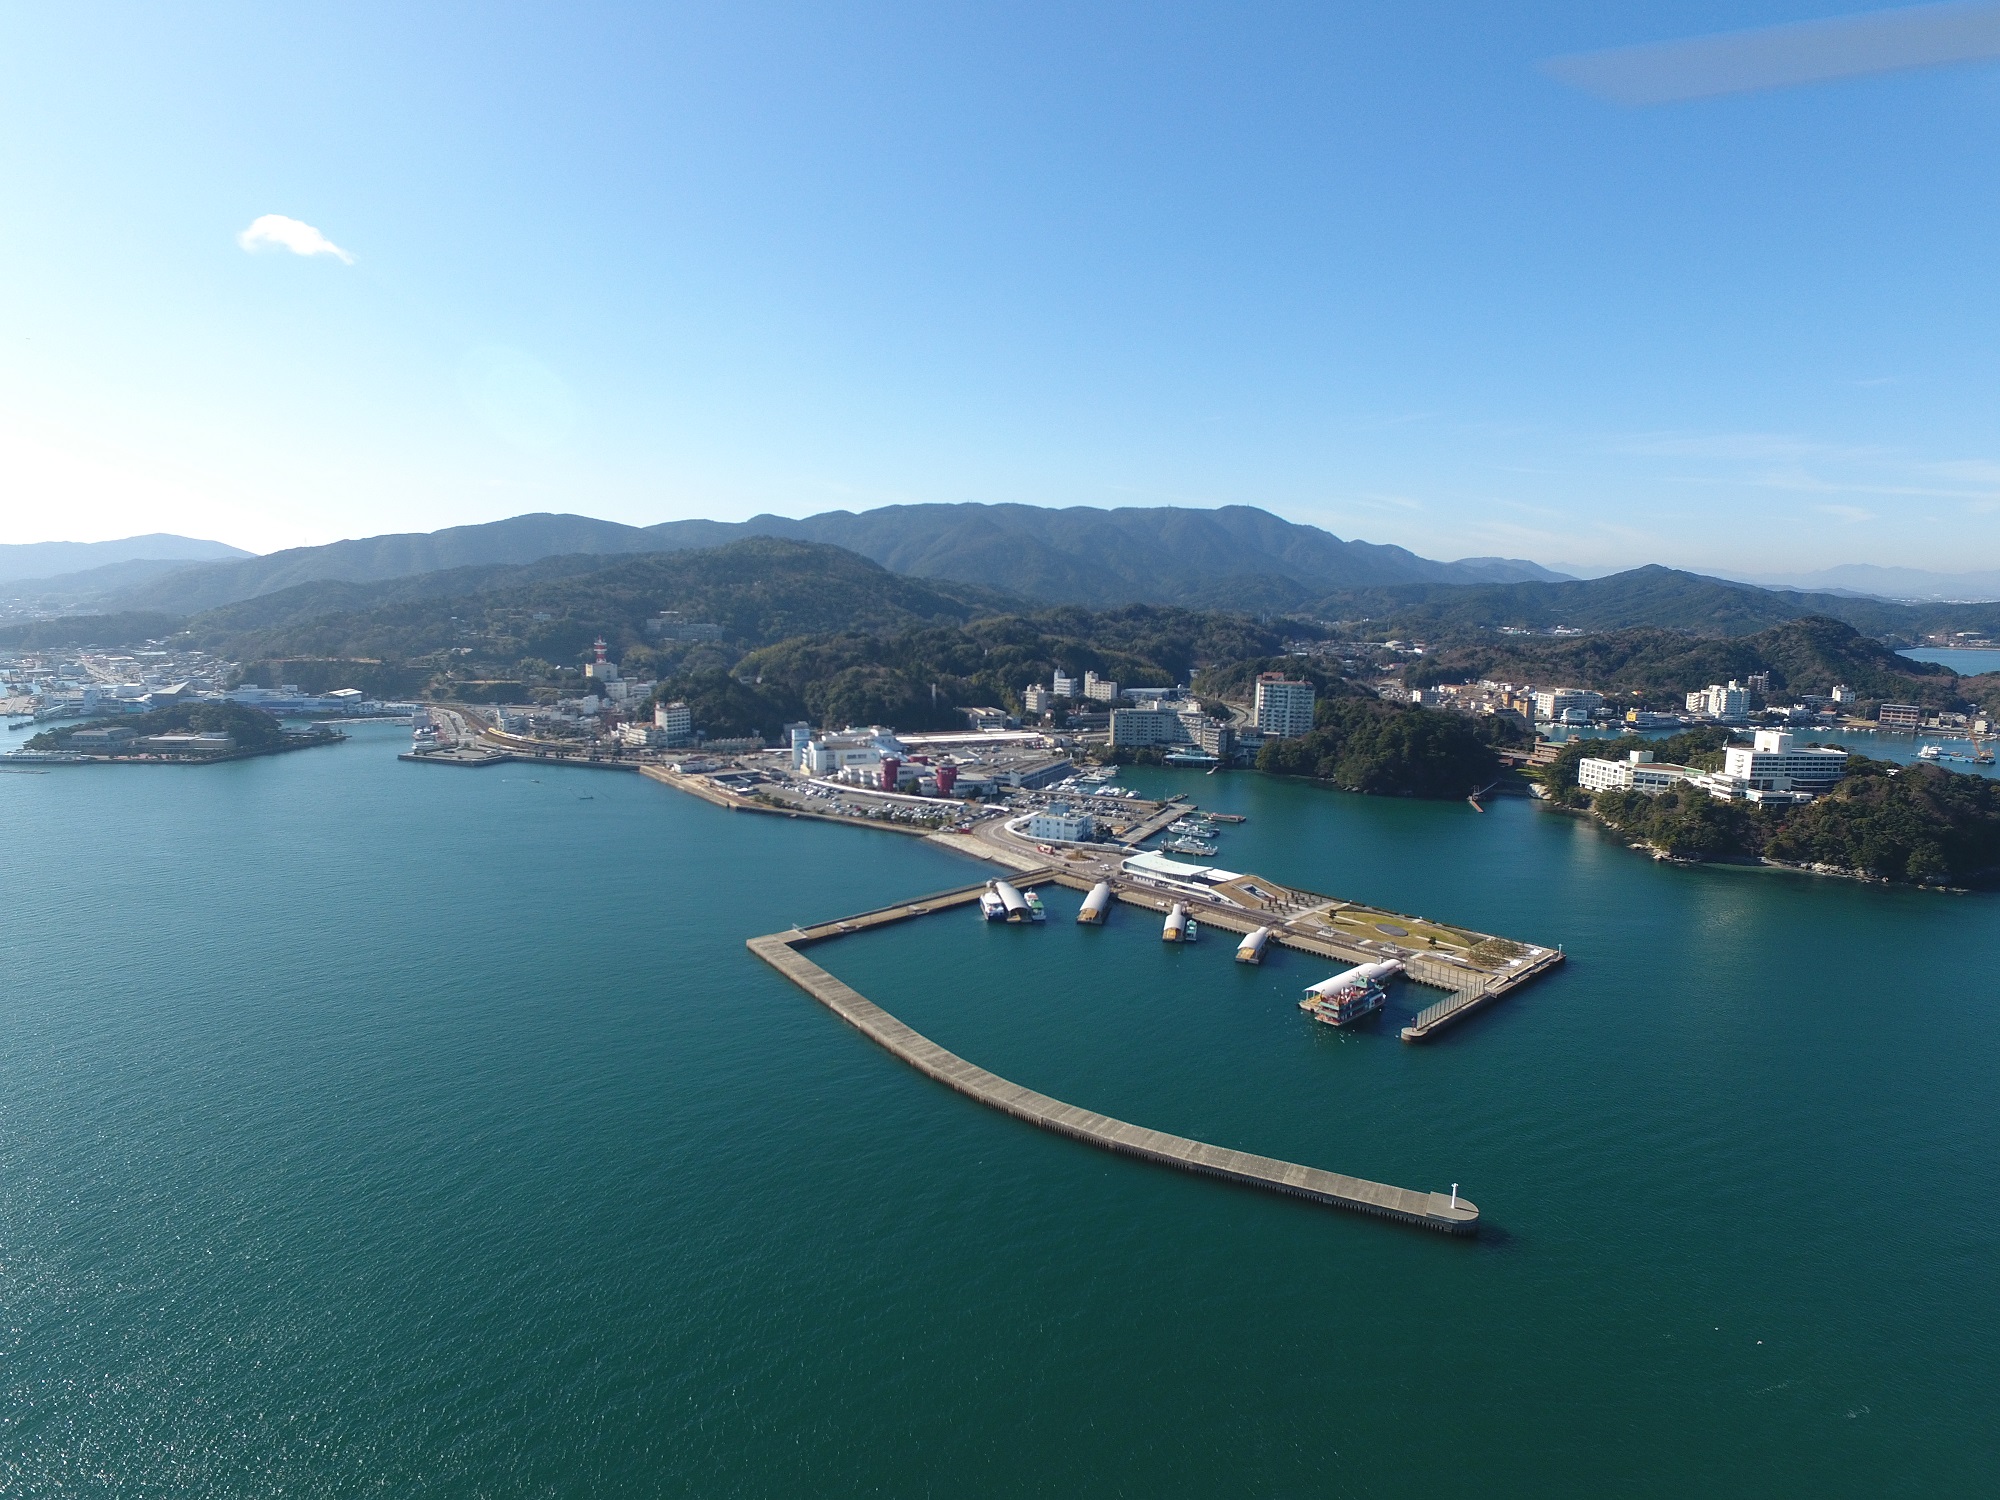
<point>182,734</point>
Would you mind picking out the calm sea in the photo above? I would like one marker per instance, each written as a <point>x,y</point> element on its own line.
<point>370,1128</point>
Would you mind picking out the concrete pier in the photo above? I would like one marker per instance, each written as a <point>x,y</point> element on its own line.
<point>1434,1211</point>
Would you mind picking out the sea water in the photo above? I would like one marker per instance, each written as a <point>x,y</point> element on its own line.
<point>377,1128</point>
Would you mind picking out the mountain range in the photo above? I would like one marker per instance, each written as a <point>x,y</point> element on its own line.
<point>1236,557</point>
<point>47,560</point>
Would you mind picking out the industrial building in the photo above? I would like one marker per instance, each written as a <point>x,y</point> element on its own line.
<point>1900,716</point>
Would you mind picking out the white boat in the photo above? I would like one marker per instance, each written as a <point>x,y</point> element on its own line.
<point>1188,844</point>
<point>991,906</point>
<point>1932,752</point>
<point>1036,911</point>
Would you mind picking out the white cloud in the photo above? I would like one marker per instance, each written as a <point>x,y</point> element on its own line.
<point>269,230</point>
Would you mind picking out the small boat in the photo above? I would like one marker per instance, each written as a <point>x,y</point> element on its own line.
<point>991,906</point>
<point>1932,752</point>
<point>1036,911</point>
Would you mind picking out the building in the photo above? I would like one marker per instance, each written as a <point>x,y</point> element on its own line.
<point>187,744</point>
<point>1065,686</point>
<point>603,669</point>
<point>1719,702</point>
<point>987,718</point>
<point>642,736</point>
<point>1215,736</point>
<point>675,721</point>
<point>1552,703</point>
<point>1900,716</point>
<point>1058,822</point>
<point>1138,728</point>
<point>795,737</point>
<point>1037,699</point>
<point>100,739</point>
<point>1099,689</point>
<point>1284,708</point>
<point>1774,769</point>
<point>1638,772</point>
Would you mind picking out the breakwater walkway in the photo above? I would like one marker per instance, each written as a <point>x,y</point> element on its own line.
<point>1444,1213</point>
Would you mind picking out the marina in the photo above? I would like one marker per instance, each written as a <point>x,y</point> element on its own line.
<point>1444,1213</point>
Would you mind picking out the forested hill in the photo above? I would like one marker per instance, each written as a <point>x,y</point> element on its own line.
<point>1233,557</point>
<point>1655,596</point>
<point>1803,656</point>
<point>756,591</point>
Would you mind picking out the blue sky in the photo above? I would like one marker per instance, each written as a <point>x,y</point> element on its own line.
<point>1369,267</point>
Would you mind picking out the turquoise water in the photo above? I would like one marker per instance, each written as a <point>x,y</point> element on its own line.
<point>377,1128</point>
<point>1963,660</point>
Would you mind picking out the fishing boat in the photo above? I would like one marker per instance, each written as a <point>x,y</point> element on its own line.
<point>1036,911</point>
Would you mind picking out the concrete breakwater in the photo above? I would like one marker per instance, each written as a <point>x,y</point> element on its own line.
<point>1441,1212</point>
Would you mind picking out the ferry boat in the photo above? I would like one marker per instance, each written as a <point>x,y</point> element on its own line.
<point>1188,844</point>
<point>991,906</point>
<point>1933,752</point>
<point>1036,911</point>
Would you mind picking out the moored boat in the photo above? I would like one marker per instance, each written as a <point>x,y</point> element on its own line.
<point>1251,949</point>
<point>1350,995</point>
<point>1179,927</point>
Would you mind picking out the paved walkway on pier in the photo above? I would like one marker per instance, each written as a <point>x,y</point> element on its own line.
<point>1435,1211</point>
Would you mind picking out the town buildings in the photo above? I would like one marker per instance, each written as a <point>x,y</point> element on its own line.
<point>1775,769</point>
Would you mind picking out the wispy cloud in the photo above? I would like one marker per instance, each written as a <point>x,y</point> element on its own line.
<point>1777,57</point>
<point>1853,515</point>
<point>276,231</point>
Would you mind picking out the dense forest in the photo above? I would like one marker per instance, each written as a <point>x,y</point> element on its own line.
<point>1367,745</point>
<point>920,678</point>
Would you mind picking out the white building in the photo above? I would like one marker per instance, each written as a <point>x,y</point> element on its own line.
<point>1284,708</point>
<point>1065,686</point>
<point>1552,703</point>
<point>1136,728</point>
<point>1773,769</point>
<point>1058,822</point>
<point>1638,772</point>
<point>1037,699</point>
<point>675,721</point>
<point>863,749</point>
<point>1720,702</point>
<point>1099,689</point>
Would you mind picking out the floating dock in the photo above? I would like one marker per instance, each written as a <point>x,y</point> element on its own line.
<point>1440,1212</point>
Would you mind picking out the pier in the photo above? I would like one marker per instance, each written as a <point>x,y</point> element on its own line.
<point>1440,1212</point>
